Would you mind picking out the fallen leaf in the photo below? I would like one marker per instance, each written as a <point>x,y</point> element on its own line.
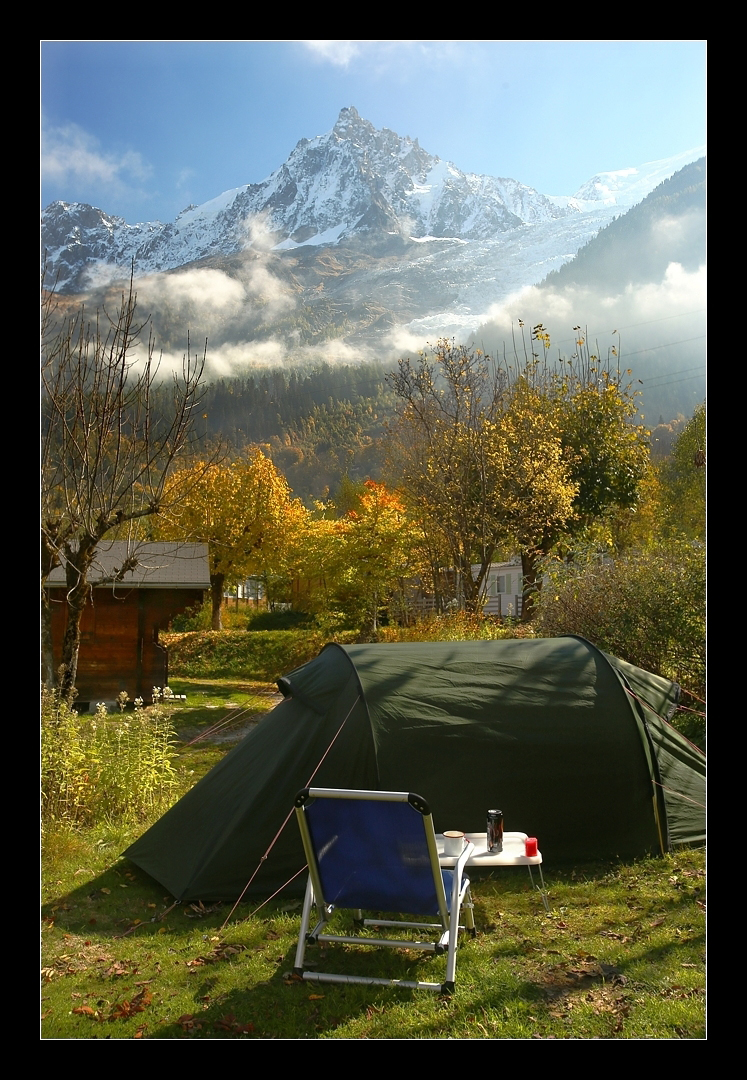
<point>198,910</point>
<point>124,1009</point>
<point>230,1023</point>
<point>84,1010</point>
<point>187,1022</point>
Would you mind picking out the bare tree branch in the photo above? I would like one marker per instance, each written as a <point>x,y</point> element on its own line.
<point>111,432</point>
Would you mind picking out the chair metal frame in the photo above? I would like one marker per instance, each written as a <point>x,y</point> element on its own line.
<point>448,907</point>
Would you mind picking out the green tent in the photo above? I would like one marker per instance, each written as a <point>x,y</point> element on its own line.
<point>571,744</point>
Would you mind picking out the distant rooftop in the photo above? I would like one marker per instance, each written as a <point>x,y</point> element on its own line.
<point>160,566</point>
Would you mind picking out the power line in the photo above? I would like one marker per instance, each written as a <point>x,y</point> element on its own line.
<point>670,382</point>
<point>680,371</point>
<point>647,322</point>
<point>666,345</point>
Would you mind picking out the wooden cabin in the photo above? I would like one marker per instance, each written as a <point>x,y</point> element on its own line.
<point>120,647</point>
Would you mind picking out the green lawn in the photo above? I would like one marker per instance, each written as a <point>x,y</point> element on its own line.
<point>619,955</point>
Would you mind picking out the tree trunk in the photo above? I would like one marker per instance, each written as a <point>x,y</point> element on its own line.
<point>49,561</point>
<point>216,592</point>
<point>532,583</point>
<point>48,673</point>
<point>76,602</point>
<point>472,586</point>
<point>77,566</point>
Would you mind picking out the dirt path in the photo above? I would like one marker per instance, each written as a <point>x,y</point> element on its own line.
<point>230,726</point>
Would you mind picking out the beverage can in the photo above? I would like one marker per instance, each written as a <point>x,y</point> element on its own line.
<point>495,831</point>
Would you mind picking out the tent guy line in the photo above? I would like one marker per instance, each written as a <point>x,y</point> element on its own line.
<point>277,834</point>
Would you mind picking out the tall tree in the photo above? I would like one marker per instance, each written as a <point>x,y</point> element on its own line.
<point>241,510</point>
<point>110,436</point>
<point>522,454</point>
<point>376,549</point>
<point>479,456</point>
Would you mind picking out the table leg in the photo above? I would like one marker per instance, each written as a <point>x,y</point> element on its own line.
<point>540,888</point>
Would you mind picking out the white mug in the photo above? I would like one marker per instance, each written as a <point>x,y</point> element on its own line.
<point>453,843</point>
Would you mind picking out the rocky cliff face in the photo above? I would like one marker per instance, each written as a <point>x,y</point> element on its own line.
<point>353,183</point>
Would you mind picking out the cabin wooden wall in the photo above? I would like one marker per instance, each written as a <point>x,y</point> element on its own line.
<point>119,647</point>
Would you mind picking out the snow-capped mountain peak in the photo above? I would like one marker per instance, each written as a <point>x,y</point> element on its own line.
<point>355,183</point>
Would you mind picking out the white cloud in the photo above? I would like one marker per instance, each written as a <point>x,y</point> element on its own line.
<point>339,53</point>
<point>185,176</point>
<point>381,52</point>
<point>197,294</point>
<point>262,287</point>
<point>73,157</point>
<point>404,340</point>
<point>256,232</point>
<point>680,292</point>
<point>228,359</point>
<point>100,275</point>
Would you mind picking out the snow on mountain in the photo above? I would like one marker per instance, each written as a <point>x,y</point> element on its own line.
<point>352,182</point>
<point>447,244</point>
<point>624,188</point>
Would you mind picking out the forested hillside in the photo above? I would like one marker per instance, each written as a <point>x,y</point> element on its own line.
<point>318,424</point>
<point>667,226</point>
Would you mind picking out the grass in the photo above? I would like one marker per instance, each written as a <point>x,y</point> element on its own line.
<point>620,955</point>
<point>262,655</point>
<point>224,707</point>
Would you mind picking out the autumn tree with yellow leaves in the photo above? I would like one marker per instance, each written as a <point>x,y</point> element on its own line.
<point>498,456</point>
<point>243,511</point>
<point>375,552</point>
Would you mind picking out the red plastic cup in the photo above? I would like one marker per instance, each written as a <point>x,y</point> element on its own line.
<point>530,845</point>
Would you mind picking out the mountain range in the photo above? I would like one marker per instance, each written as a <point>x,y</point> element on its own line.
<point>360,244</point>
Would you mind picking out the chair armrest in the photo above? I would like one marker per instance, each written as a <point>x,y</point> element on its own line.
<point>456,884</point>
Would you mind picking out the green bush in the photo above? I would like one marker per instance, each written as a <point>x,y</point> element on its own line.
<point>104,767</point>
<point>278,620</point>
<point>197,617</point>
<point>647,608</point>
<point>268,654</point>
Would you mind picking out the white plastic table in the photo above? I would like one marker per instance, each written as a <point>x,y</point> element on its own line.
<point>513,854</point>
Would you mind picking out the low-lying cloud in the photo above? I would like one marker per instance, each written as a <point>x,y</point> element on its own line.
<point>195,293</point>
<point>660,332</point>
<point>680,294</point>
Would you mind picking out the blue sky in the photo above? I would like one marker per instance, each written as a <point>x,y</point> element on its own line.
<point>143,128</point>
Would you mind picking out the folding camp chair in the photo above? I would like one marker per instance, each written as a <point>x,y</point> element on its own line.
<point>376,850</point>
